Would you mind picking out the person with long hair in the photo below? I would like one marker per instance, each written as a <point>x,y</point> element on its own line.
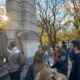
<point>37,66</point>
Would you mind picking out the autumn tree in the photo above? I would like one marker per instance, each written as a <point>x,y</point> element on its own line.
<point>73,9</point>
<point>67,35</point>
<point>48,19</point>
<point>2,16</point>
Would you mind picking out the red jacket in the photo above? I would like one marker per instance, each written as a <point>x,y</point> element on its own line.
<point>55,56</point>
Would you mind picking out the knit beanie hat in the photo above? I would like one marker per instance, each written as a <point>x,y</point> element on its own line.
<point>39,56</point>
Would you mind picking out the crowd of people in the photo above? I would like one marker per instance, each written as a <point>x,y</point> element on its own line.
<point>66,60</point>
<point>13,54</point>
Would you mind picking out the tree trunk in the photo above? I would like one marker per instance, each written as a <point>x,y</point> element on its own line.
<point>41,40</point>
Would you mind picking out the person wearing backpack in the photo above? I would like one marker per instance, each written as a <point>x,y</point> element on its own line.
<point>14,60</point>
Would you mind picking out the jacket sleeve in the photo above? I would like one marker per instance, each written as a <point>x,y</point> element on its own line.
<point>55,65</point>
<point>5,44</point>
<point>78,70</point>
<point>22,59</point>
<point>29,75</point>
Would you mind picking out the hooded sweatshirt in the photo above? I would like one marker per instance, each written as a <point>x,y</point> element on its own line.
<point>17,59</point>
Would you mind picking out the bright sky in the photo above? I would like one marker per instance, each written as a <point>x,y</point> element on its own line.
<point>2,1</point>
<point>2,4</point>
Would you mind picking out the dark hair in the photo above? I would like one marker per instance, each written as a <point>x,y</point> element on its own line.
<point>39,56</point>
<point>76,43</point>
<point>17,32</point>
<point>12,44</point>
<point>61,51</point>
<point>63,42</point>
<point>39,62</point>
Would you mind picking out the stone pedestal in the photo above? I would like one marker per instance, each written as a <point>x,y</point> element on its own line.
<point>22,17</point>
<point>30,39</point>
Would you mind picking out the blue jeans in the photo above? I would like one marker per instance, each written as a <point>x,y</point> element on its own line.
<point>46,59</point>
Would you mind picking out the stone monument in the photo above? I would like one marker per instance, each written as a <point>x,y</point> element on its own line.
<point>22,17</point>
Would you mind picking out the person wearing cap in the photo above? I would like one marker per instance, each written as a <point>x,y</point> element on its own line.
<point>3,46</point>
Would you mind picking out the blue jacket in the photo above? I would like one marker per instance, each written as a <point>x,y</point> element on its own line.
<point>70,54</point>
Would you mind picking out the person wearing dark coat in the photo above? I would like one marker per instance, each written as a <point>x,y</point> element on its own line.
<point>61,65</point>
<point>75,71</point>
<point>30,73</point>
<point>19,43</point>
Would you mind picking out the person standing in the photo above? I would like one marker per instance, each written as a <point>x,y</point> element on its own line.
<point>64,46</point>
<point>46,57</point>
<point>56,54</point>
<point>3,46</point>
<point>45,46</point>
<point>37,66</point>
<point>75,71</point>
<point>14,61</point>
<point>19,43</point>
<point>61,65</point>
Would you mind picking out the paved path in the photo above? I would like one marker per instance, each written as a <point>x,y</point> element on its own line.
<point>4,72</point>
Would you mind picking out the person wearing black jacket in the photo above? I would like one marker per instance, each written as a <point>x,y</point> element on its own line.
<point>61,65</point>
<point>75,71</point>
